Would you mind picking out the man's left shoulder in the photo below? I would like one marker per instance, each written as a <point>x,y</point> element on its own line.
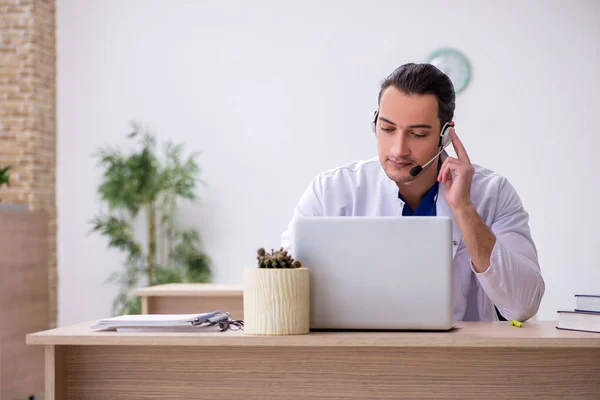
<point>488,179</point>
<point>489,188</point>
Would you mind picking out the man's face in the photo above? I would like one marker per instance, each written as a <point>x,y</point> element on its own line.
<point>408,133</point>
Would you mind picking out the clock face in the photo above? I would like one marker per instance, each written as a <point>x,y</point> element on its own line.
<point>455,65</point>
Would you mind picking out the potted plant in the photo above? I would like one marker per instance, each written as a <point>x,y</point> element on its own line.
<point>4,177</point>
<point>276,295</point>
<point>144,186</point>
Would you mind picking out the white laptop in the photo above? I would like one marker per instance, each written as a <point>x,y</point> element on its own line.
<point>377,273</point>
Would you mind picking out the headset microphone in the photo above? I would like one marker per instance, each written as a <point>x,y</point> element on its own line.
<point>445,139</point>
<point>416,170</point>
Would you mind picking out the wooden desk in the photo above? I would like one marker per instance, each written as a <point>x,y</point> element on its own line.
<point>184,298</point>
<point>476,360</point>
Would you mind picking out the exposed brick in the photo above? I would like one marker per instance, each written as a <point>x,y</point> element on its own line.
<point>27,115</point>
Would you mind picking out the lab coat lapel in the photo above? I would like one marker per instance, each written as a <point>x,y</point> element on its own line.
<point>443,210</point>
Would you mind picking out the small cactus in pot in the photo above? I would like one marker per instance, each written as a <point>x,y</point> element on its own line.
<point>276,295</point>
<point>276,259</point>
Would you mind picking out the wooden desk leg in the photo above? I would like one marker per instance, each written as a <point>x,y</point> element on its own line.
<point>55,373</point>
<point>145,305</point>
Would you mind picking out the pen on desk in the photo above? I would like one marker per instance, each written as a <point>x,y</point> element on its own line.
<point>219,318</point>
<point>516,323</point>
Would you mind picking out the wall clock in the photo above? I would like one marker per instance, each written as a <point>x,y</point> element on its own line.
<point>454,64</point>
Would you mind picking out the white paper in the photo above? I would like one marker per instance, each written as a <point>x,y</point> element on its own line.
<point>153,320</point>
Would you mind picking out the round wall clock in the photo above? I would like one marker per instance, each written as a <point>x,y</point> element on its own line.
<point>454,64</point>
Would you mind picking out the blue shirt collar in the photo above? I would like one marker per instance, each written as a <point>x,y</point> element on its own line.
<point>427,206</point>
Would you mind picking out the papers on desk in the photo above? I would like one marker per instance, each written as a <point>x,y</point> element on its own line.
<point>214,321</point>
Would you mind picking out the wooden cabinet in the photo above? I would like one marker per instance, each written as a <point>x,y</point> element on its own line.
<point>24,304</point>
<point>190,298</point>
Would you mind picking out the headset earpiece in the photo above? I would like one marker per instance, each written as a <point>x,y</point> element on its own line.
<point>445,139</point>
<point>445,133</point>
<point>374,123</point>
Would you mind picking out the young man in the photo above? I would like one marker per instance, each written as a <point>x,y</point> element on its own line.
<point>496,270</point>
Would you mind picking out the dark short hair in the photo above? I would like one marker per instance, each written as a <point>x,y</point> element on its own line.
<point>424,79</point>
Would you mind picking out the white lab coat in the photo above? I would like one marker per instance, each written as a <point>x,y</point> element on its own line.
<point>513,282</point>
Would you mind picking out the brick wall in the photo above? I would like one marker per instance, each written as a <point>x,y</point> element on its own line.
<point>27,113</point>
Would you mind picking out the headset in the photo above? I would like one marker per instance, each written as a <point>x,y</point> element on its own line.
<point>445,140</point>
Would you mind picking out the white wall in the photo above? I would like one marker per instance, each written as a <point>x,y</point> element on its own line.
<point>274,92</point>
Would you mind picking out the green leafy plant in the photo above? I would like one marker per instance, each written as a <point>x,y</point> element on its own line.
<point>140,187</point>
<point>4,177</point>
<point>276,259</point>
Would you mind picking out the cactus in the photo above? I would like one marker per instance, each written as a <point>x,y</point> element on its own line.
<point>276,259</point>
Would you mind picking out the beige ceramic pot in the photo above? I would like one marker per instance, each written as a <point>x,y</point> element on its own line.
<point>276,301</point>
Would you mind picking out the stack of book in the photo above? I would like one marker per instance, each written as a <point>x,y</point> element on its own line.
<point>585,317</point>
<point>206,322</point>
